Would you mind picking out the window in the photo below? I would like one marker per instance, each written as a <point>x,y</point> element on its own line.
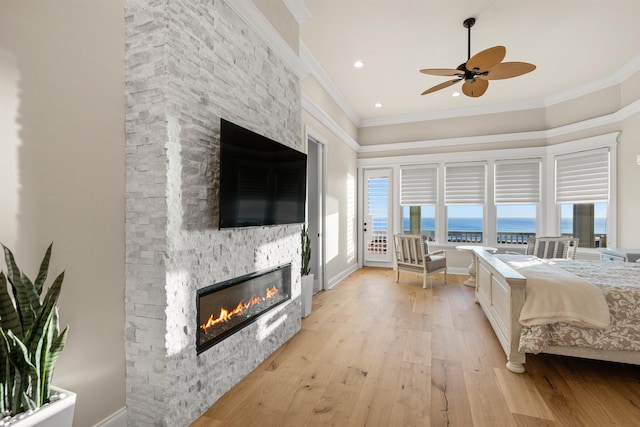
<point>418,198</point>
<point>588,221</point>
<point>419,220</point>
<point>378,233</point>
<point>517,195</point>
<point>582,193</point>
<point>465,223</point>
<point>465,196</point>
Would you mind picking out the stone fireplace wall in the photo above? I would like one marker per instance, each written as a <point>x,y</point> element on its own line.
<point>189,63</point>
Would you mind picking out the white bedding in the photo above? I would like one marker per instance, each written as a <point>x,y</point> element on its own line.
<point>555,295</point>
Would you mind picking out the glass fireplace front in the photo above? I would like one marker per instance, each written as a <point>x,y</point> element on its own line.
<point>225,308</point>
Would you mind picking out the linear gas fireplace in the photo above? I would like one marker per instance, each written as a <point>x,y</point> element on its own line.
<point>225,308</point>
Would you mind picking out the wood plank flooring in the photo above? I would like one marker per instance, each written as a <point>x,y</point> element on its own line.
<point>379,353</point>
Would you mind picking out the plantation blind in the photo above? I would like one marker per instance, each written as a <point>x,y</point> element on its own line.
<point>517,182</point>
<point>418,185</point>
<point>465,183</point>
<point>583,177</point>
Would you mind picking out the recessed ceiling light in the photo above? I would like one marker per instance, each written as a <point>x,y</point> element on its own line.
<point>378,104</point>
<point>456,93</point>
<point>358,64</point>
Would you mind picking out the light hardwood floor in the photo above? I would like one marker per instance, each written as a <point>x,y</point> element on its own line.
<point>377,353</point>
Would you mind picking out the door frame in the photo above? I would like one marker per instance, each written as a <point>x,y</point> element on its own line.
<point>317,217</point>
<point>362,188</point>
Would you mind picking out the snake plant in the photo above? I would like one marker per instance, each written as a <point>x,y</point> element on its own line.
<point>306,251</point>
<point>30,341</point>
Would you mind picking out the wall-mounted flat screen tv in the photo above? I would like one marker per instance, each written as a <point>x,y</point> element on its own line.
<point>262,182</point>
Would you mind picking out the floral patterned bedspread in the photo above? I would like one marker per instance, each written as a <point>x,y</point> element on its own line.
<point>620,283</point>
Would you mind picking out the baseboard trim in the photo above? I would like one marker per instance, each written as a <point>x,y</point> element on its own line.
<point>458,270</point>
<point>117,419</point>
<point>341,276</point>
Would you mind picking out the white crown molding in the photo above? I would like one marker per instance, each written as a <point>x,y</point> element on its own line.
<point>618,116</point>
<point>630,68</point>
<point>256,20</point>
<point>618,77</point>
<point>320,115</point>
<point>453,113</point>
<point>299,10</point>
<point>448,142</point>
<point>589,143</point>
<point>314,68</point>
<point>609,140</point>
<point>466,156</point>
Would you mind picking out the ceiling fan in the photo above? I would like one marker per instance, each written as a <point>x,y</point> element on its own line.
<point>479,68</point>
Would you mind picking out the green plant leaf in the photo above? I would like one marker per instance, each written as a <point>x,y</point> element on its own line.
<point>52,356</point>
<point>27,300</point>
<point>29,339</point>
<point>43,272</point>
<point>7,372</point>
<point>13,272</point>
<point>305,244</point>
<point>23,300</point>
<point>34,297</point>
<point>8,314</point>
<point>26,371</point>
<point>45,314</point>
<point>28,403</point>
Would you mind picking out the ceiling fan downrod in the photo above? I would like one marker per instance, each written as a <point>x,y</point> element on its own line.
<point>468,23</point>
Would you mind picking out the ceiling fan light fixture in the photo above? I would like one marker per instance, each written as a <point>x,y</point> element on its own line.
<point>479,68</point>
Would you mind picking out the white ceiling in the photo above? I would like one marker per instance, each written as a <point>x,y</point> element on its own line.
<point>575,44</point>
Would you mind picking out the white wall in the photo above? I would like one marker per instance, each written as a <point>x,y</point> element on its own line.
<point>341,198</point>
<point>62,177</point>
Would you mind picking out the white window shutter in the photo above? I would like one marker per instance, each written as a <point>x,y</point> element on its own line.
<point>465,183</point>
<point>517,182</point>
<point>583,177</point>
<point>418,185</point>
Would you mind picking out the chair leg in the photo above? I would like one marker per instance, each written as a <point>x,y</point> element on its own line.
<point>445,276</point>
<point>397,275</point>
<point>424,281</point>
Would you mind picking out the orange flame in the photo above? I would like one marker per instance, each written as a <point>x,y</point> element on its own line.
<point>226,315</point>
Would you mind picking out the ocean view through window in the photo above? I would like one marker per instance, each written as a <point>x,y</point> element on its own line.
<point>507,225</point>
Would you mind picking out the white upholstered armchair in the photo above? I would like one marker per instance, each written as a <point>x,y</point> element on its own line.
<point>412,255</point>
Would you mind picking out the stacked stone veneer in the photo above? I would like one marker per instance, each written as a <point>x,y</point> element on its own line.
<point>189,63</point>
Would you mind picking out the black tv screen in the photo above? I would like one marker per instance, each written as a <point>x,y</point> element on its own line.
<point>262,182</point>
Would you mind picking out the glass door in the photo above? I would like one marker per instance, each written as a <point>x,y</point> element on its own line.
<point>377,218</point>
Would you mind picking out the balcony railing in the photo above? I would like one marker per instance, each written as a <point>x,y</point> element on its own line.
<point>464,236</point>
<point>505,237</point>
<point>513,238</point>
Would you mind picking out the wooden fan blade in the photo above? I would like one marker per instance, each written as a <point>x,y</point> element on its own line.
<point>441,86</point>
<point>475,88</point>
<point>487,59</point>
<point>442,72</point>
<point>506,70</point>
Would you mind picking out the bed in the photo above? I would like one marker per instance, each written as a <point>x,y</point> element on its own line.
<point>501,286</point>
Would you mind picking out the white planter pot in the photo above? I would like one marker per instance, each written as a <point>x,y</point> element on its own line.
<point>54,414</point>
<point>307,294</point>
